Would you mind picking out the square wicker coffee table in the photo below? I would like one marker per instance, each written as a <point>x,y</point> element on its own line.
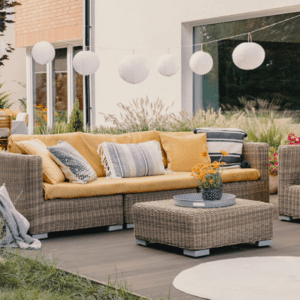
<point>196,230</point>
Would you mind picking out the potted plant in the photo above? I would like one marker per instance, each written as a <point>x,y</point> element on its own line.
<point>273,171</point>
<point>209,177</point>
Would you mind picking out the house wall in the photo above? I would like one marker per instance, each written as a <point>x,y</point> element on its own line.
<point>150,28</point>
<point>48,20</point>
<point>13,73</point>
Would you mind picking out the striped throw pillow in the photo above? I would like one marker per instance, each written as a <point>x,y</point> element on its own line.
<point>72,163</point>
<point>131,160</point>
<point>227,139</point>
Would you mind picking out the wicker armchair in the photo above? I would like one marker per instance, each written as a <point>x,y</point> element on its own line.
<point>289,182</point>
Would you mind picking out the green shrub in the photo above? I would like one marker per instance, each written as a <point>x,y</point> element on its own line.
<point>76,118</point>
<point>4,99</point>
<point>23,104</point>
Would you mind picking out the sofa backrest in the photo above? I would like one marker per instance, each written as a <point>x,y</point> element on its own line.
<point>87,143</point>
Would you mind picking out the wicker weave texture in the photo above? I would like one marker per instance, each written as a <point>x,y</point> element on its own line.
<point>196,229</point>
<point>289,181</point>
<point>131,199</point>
<point>24,173</point>
<point>251,190</point>
<point>257,154</point>
<point>78,213</point>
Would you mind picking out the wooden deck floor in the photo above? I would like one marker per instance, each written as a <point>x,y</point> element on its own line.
<point>149,271</point>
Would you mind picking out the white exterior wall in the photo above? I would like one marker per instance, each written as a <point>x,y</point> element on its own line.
<point>151,27</point>
<point>14,69</point>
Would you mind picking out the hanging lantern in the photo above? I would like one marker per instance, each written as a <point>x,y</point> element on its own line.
<point>248,56</point>
<point>133,69</point>
<point>86,62</point>
<point>201,62</point>
<point>43,52</point>
<point>167,65</point>
<point>2,48</point>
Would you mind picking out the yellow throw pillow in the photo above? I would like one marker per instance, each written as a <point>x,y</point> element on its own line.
<point>178,134</point>
<point>184,151</point>
<point>51,171</point>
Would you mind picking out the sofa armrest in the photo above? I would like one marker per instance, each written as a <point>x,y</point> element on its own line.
<point>288,171</point>
<point>257,154</point>
<point>23,173</point>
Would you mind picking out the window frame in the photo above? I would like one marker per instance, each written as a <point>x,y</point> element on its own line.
<point>50,84</point>
<point>187,82</point>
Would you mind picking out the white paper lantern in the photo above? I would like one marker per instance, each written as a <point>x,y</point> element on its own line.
<point>248,56</point>
<point>167,65</point>
<point>2,48</point>
<point>43,52</point>
<point>133,69</point>
<point>201,62</point>
<point>86,62</point>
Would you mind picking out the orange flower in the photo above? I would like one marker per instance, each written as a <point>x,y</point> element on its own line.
<point>223,163</point>
<point>204,154</point>
<point>203,180</point>
<point>211,181</point>
<point>224,152</point>
<point>211,172</point>
<point>216,165</point>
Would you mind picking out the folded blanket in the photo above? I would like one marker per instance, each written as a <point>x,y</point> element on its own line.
<point>16,225</point>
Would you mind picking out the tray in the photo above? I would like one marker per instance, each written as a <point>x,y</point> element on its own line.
<point>195,200</point>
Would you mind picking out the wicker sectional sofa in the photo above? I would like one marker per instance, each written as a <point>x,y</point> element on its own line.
<point>24,173</point>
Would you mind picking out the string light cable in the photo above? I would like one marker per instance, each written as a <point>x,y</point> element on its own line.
<point>208,42</point>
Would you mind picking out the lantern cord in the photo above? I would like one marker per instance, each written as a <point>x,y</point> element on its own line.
<point>231,37</point>
<point>222,39</point>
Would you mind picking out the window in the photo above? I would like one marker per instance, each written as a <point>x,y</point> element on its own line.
<point>276,79</point>
<point>78,82</point>
<point>55,88</point>
<point>39,95</point>
<point>60,101</point>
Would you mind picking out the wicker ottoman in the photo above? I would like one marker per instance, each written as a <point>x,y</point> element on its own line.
<point>197,230</point>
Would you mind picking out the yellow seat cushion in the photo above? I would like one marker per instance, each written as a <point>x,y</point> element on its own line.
<point>235,175</point>
<point>51,171</point>
<point>104,186</point>
<point>184,151</point>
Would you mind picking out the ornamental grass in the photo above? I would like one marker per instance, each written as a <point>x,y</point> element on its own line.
<point>262,124</point>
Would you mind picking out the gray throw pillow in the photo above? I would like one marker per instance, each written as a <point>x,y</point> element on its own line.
<point>72,163</point>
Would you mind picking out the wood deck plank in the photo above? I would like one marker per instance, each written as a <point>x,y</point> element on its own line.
<point>150,271</point>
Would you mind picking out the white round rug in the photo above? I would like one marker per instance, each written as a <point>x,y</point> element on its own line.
<point>252,278</point>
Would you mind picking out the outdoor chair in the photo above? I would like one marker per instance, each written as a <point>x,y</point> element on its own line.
<point>22,117</point>
<point>289,182</point>
<point>5,123</point>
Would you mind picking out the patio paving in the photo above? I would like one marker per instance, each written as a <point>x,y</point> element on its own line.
<point>149,271</point>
